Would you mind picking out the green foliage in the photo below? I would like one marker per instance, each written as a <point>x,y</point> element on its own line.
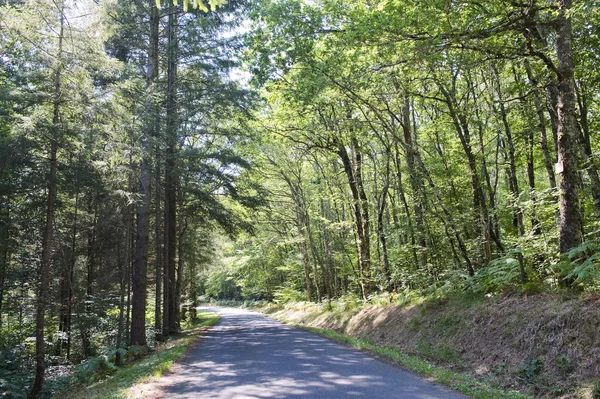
<point>596,390</point>
<point>219,283</point>
<point>444,353</point>
<point>499,275</point>
<point>584,265</point>
<point>136,352</point>
<point>565,364</point>
<point>531,369</point>
<point>120,383</point>
<point>288,293</point>
<point>94,369</point>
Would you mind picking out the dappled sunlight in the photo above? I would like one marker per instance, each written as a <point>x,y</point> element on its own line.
<point>249,356</point>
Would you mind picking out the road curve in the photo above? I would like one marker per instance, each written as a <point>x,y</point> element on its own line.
<point>247,355</point>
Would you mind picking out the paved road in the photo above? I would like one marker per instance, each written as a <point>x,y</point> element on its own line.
<point>247,355</point>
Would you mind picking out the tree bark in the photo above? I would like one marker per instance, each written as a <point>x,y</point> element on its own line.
<point>537,101</point>
<point>570,214</point>
<point>47,235</point>
<point>380,224</point>
<point>158,249</point>
<point>4,255</point>
<point>354,175</point>
<point>123,276</point>
<point>140,266</point>
<point>169,311</point>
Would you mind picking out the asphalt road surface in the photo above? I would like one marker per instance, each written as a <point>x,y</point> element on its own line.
<point>247,355</point>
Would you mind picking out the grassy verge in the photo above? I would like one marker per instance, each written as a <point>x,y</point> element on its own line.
<point>122,383</point>
<point>464,383</point>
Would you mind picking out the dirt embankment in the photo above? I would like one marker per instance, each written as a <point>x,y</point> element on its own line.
<point>544,344</point>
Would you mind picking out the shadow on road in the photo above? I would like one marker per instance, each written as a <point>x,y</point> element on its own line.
<point>247,355</point>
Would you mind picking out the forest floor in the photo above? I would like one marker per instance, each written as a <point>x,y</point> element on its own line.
<point>546,345</point>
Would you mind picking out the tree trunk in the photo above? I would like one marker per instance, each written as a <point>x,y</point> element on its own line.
<point>570,214</point>
<point>123,276</point>
<point>416,182</point>
<point>158,250</point>
<point>361,215</point>
<point>180,268</point>
<point>402,195</point>
<point>71,276</point>
<point>4,253</point>
<point>3,272</point>
<point>585,149</point>
<point>47,235</point>
<point>380,224</point>
<point>140,266</point>
<point>169,317</point>
<point>537,101</point>
<point>89,291</point>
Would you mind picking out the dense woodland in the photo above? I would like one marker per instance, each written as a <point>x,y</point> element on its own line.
<point>152,155</point>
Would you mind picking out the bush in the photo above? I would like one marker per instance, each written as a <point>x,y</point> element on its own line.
<point>136,352</point>
<point>286,294</point>
<point>584,265</point>
<point>499,275</point>
<point>94,369</point>
<point>531,369</point>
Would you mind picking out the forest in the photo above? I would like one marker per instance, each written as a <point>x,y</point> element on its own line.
<point>154,156</point>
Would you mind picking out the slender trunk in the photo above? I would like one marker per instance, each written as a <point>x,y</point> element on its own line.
<point>169,317</point>
<point>179,283</point>
<point>123,274</point>
<point>530,141</point>
<point>416,182</point>
<point>380,224</point>
<point>4,254</point>
<point>300,225</point>
<point>129,275</point>
<point>402,196</point>
<point>512,175</point>
<point>570,214</point>
<point>451,229</point>
<point>325,216</point>
<point>47,236</point>
<point>360,214</point>
<point>585,149</point>
<point>479,203</point>
<point>71,276</point>
<point>140,266</point>
<point>313,248</point>
<point>158,250</point>
<point>537,102</point>
<point>89,291</point>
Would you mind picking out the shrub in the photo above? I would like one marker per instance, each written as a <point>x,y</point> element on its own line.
<point>499,275</point>
<point>530,369</point>
<point>135,352</point>
<point>94,369</point>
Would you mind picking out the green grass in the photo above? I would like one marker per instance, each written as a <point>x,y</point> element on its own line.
<point>153,365</point>
<point>461,382</point>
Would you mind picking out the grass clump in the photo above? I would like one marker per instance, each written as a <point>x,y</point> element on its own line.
<point>120,381</point>
<point>461,382</point>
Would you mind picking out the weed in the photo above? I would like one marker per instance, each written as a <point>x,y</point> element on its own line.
<point>564,363</point>
<point>596,390</point>
<point>442,353</point>
<point>530,369</point>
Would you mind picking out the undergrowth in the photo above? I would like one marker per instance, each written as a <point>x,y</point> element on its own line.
<point>110,382</point>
